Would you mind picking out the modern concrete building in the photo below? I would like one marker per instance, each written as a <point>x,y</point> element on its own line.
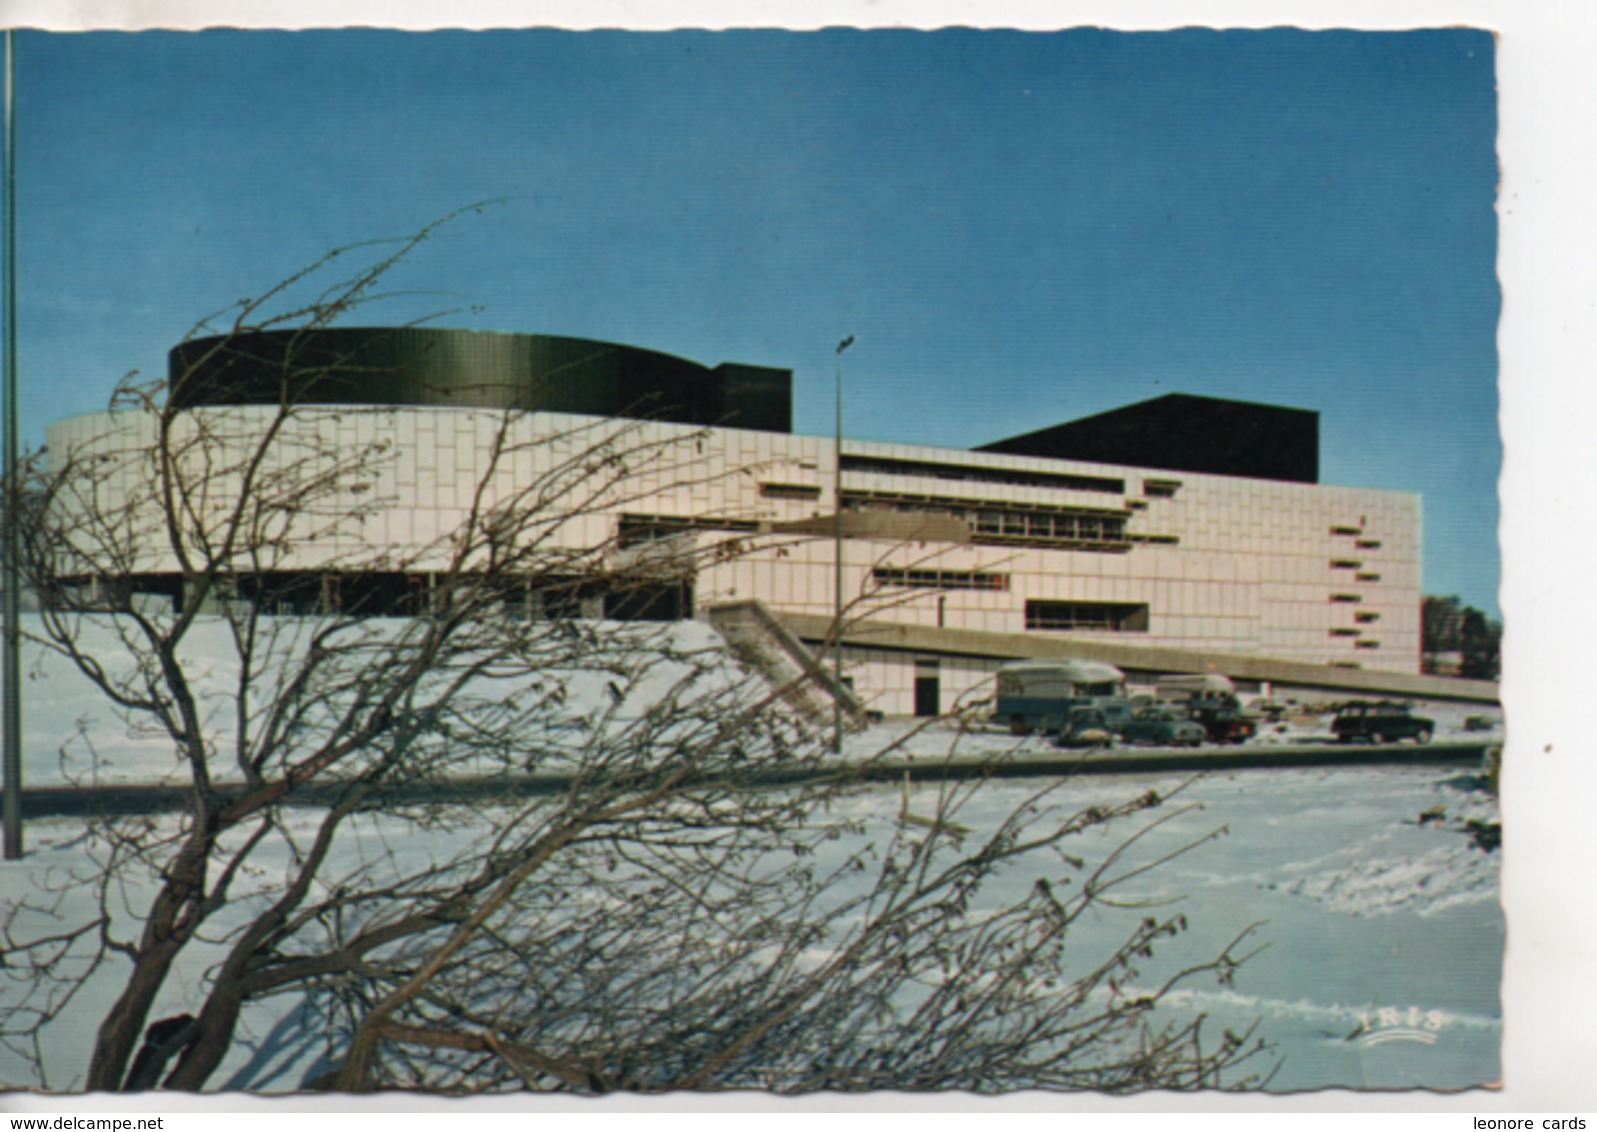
<point>1195,535</point>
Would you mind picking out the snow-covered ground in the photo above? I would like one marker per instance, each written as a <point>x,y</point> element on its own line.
<point>1381,934</point>
<point>71,738</point>
<point>1369,917</point>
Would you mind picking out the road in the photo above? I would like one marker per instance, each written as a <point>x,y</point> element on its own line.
<point>72,801</point>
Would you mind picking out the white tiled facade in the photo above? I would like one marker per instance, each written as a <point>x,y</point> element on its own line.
<point>1318,574</point>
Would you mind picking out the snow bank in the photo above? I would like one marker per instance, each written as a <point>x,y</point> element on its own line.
<point>71,735</point>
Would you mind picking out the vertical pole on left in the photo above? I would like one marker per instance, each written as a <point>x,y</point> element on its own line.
<point>11,669</point>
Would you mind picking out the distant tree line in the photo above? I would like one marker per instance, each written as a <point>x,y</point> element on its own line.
<point>1458,639</point>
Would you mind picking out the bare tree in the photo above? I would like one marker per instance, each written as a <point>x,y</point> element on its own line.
<point>490,846</point>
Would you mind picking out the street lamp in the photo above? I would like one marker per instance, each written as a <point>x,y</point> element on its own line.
<point>837,556</point>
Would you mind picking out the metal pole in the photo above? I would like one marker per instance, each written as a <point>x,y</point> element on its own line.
<point>11,669</point>
<point>837,555</point>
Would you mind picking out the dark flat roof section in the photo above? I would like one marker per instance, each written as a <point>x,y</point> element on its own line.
<point>1187,433</point>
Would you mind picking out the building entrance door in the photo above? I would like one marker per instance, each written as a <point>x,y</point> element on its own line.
<point>928,689</point>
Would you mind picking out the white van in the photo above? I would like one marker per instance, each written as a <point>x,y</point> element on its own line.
<point>1203,686</point>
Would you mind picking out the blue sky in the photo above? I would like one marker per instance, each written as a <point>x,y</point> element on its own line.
<point>1018,228</point>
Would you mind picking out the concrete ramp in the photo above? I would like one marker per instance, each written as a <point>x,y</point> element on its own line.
<point>766,646</point>
<point>923,640</point>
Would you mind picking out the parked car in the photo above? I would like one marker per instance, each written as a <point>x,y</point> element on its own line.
<point>1381,722</point>
<point>1085,727</point>
<point>1163,725</point>
<point>1222,718</point>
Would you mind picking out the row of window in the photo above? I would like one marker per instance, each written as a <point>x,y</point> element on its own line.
<point>996,524</point>
<point>1054,528</point>
<point>1015,477</point>
<point>942,579</point>
<point>1043,526</point>
<point>637,529</point>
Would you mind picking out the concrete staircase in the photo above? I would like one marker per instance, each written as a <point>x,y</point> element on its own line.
<point>803,681</point>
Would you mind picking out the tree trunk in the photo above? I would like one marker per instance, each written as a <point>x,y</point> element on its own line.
<point>166,932</point>
<point>123,1028</point>
<point>216,1024</point>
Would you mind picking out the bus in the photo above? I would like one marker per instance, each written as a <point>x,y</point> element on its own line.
<point>1037,695</point>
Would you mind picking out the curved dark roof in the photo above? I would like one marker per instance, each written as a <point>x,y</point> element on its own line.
<point>475,369</point>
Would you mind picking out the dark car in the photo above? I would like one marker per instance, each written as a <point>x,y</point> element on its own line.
<point>1383,722</point>
<point>1085,727</point>
<point>1164,726</point>
<point>1222,718</point>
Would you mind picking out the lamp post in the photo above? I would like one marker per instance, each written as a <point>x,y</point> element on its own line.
<point>837,555</point>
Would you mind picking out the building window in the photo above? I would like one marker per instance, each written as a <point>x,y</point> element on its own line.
<point>1366,577</point>
<point>1344,631</point>
<point>1004,524</point>
<point>637,529</point>
<point>1366,644</point>
<point>1094,616</point>
<point>1047,527</point>
<point>1351,599</point>
<point>790,491</point>
<point>1365,616</point>
<point>1019,477</point>
<point>942,579</point>
<point>1160,489</point>
<point>1346,530</point>
<point>1345,564</point>
<point>1368,544</point>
